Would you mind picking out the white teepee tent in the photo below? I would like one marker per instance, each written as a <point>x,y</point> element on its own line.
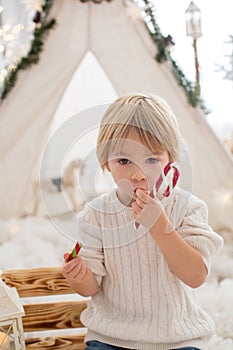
<point>126,53</point>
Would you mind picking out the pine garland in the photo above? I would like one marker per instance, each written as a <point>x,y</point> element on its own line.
<point>36,47</point>
<point>164,55</point>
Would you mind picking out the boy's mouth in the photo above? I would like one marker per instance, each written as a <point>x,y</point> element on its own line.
<point>138,188</point>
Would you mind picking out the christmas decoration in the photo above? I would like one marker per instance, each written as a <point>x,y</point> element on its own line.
<point>8,75</point>
<point>165,183</point>
<point>74,252</point>
<point>164,55</point>
<point>11,313</point>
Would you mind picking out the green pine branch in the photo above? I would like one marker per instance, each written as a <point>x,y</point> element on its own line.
<point>34,54</point>
<point>164,55</point>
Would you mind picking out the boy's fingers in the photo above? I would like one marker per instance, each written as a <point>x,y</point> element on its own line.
<point>70,265</point>
<point>77,270</point>
<point>144,196</point>
<point>140,203</point>
<point>82,271</point>
<point>135,206</point>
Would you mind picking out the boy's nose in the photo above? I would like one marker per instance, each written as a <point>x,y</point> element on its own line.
<point>138,174</point>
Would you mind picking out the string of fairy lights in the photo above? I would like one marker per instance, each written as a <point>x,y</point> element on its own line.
<point>164,53</point>
<point>21,43</point>
<point>8,37</point>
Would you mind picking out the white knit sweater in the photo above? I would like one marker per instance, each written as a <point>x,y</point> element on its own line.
<point>141,304</point>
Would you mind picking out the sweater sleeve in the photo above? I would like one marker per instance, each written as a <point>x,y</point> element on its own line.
<point>89,235</point>
<point>195,230</point>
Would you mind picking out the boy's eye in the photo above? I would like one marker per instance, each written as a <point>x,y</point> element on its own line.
<point>124,161</point>
<point>152,160</point>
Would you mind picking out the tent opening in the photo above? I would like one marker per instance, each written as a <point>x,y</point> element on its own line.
<point>89,88</point>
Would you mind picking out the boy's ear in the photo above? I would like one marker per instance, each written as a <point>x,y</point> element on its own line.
<point>107,167</point>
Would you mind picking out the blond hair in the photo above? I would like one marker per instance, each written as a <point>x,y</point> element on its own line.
<point>152,118</point>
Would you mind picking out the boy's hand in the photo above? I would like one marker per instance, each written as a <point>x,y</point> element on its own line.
<point>148,211</point>
<point>75,270</point>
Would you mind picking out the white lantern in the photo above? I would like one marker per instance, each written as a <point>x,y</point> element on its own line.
<point>193,21</point>
<point>11,312</point>
<point>193,29</point>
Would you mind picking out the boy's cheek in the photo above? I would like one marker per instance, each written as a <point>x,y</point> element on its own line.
<point>125,186</point>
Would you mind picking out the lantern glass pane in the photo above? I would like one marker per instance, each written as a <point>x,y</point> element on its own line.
<point>9,335</point>
<point>5,338</point>
<point>193,24</point>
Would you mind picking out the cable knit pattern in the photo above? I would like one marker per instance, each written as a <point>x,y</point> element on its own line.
<point>141,304</point>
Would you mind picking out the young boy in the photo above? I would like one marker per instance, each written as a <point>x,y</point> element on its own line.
<point>141,280</point>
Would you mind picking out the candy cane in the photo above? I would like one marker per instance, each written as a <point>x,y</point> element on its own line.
<point>162,182</point>
<point>74,252</point>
